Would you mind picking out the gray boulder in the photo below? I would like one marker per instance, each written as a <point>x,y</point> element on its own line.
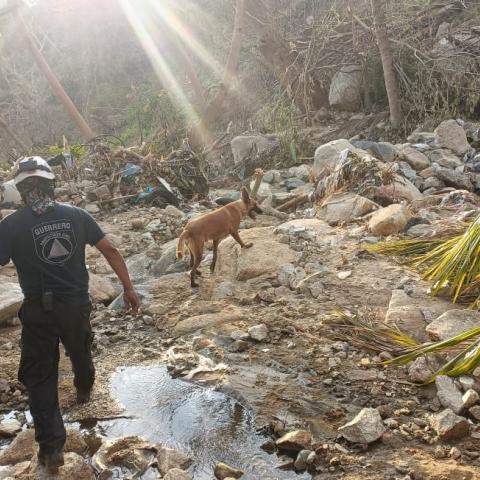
<point>448,394</point>
<point>346,88</point>
<point>453,323</point>
<point>381,150</point>
<point>246,145</point>
<point>344,208</point>
<point>449,134</point>
<point>449,426</point>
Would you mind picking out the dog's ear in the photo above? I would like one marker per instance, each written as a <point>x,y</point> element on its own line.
<point>245,196</point>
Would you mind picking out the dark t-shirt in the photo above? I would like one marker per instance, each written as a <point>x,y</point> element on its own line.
<point>49,251</point>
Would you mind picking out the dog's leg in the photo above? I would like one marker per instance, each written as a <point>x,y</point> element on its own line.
<point>197,251</point>
<point>192,261</point>
<point>236,236</point>
<point>214,259</point>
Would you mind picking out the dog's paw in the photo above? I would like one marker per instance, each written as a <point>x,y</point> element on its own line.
<point>249,245</point>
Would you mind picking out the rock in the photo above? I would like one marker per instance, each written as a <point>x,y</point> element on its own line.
<point>101,289</point>
<point>75,468</point>
<point>346,88</point>
<point>389,220</point>
<point>23,446</point>
<point>239,335</point>
<point>177,474</point>
<point>173,211</point>
<point>466,381</point>
<point>258,333</point>
<point>453,323</point>
<point>301,462</point>
<point>475,412</point>
<point>264,258</point>
<point>198,322</point>
<point>366,427</point>
<point>9,195</point>
<point>103,193</point>
<point>307,228</point>
<point>381,150</point>
<point>272,176</point>
<point>137,224</point>
<point>11,298</point>
<point>285,462</point>
<point>444,158</point>
<point>169,259</point>
<point>420,230</point>
<point>302,172</point>
<point>449,426</point>
<point>285,274</point>
<point>448,394</point>
<point>92,208</point>
<point>328,156</point>
<point>248,145</point>
<point>295,441</point>
<point>455,453</point>
<point>449,134</point>
<point>344,208</point>
<point>154,225</point>
<point>433,182</point>
<point>419,371</point>
<point>470,398</point>
<point>139,266</point>
<point>9,428</point>
<point>407,171</point>
<point>400,189</point>
<point>224,471</point>
<point>405,316</point>
<point>452,178</point>
<point>293,183</point>
<point>417,160</point>
<point>169,458</point>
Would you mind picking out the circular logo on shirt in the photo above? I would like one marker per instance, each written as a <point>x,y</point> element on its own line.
<point>55,241</point>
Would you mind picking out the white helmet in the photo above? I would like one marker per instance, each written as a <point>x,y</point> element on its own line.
<point>33,167</point>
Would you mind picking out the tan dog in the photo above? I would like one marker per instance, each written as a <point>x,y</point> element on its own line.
<point>215,226</point>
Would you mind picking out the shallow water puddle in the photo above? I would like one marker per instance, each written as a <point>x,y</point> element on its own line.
<point>207,425</point>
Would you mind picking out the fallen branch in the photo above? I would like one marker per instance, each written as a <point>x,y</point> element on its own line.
<point>293,203</point>
<point>258,181</point>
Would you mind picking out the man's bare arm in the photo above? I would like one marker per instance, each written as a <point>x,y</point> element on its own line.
<point>116,261</point>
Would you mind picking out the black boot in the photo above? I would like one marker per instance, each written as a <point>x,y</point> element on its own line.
<point>51,460</point>
<point>83,397</point>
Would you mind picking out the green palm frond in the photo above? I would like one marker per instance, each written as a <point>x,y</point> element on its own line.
<point>466,360</point>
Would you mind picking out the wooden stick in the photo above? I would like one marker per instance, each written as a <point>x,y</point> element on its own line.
<point>258,180</point>
<point>293,202</point>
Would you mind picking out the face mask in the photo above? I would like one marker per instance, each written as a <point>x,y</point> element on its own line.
<point>37,195</point>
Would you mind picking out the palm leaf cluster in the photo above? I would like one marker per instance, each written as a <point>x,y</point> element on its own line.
<point>365,333</point>
<point>452,263</point>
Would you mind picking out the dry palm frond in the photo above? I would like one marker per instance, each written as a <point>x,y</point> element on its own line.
<point>363,332</point>
<point>404,248</point>
<point>466,360</point>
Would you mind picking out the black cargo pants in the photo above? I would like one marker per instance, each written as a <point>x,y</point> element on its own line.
<point>41,333</point>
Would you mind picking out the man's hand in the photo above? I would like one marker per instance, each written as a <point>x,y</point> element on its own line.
<point>116,261</point>
<point>131,300</point>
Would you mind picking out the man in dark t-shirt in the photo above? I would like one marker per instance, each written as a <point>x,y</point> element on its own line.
<point>46,242</point>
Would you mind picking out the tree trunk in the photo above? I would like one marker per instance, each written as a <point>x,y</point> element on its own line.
<point>57,87</point>
<point>231,68</point>
<point>384,46</point>
<point>13,135</point>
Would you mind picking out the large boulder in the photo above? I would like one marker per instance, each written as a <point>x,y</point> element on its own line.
<point>416,159</point>
<point>168,262</point>
<point>453,323</point>
<point>449,134</point>
<point>246,145</point>
<point>101,289</point>
<point>169,458</point>
<point>11,298</point>
<point>389,220</point>
<point>449,426</point>
<point>9,194</point>
<point>264,258</point>
<point>75,467</point>
<point>452,178</point>
<point>295,441</point>
<point>400,189</point>
<point>381,150</point>
<point>444,158</point>
<point>345,207</point>
<point>346,88</point>
<point>328,156</point>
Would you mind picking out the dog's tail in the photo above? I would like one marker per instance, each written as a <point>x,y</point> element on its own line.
<point>181,244</point>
